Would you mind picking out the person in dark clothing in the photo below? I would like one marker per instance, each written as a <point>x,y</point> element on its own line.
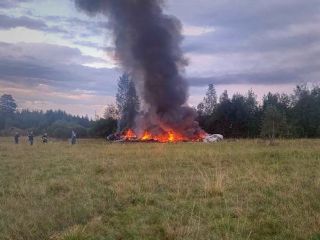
<point>16,138</point>
<point>30,138</point>
<point>45,138</point>
<point>73,137</point>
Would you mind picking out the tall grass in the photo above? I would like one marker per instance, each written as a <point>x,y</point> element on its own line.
<point>229,190</point>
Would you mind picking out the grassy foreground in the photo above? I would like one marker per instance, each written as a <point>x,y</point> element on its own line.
<point>96,191</point>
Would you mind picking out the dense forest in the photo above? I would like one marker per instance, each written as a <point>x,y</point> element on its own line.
<point>279,115</point>
<point>239,116</point>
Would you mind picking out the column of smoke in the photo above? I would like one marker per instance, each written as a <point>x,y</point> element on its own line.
<point>147,43</point>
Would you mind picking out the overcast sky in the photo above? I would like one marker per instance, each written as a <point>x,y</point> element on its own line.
<point>54,57</point>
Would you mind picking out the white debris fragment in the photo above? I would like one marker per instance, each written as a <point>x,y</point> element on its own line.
<point>213,138</point>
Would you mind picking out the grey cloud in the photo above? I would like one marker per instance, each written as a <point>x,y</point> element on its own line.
<point>243,25</point>
<point>63,77</point>
<point>287,30</point>
<point>223,43</point>
<point>34,68</point>
<point>106,49</point>
<point>274,67</point>
<point>48,53</point>
<point>294,76</point>
<point>247,16</point>
<point>80,27</point>
<point>88,44</point>
<point>8,22</point>
<point>11,3</point>
<point>97,24</point>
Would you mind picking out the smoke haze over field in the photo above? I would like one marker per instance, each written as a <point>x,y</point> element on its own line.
<point>147,45</point>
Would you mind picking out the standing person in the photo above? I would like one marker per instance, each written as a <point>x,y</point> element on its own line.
<point>45,138</point>
<point>16,138</point>
<point>73,137</point>
<point>30,138</point>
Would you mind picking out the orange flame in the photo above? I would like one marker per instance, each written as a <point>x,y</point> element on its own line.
<point>146,136</point>
<point>170,136</point>
<point>129,135</point>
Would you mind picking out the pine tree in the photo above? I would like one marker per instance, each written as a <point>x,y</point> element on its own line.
<point>127,102</point>
<point>224,97</point>
<point>7,104</point>
<point>8,107</point>
<point>210,100</point>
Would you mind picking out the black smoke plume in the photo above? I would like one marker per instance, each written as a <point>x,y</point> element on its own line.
<point>147,43</point>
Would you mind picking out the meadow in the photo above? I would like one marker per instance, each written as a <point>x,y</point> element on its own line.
<point>243,189</point>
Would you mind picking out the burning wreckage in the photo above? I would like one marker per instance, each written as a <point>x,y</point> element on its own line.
<point>147,46</point>
<point>169,137</point>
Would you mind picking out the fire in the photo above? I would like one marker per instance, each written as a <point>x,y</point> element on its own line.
<point>170,136</point>
<point>146,136</point>
<point>130,135</point>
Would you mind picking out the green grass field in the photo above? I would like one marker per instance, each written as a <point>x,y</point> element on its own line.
<point>95,191</point>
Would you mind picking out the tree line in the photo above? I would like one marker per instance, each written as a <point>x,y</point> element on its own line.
<point>59,124</point>
<point>294,115</point>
